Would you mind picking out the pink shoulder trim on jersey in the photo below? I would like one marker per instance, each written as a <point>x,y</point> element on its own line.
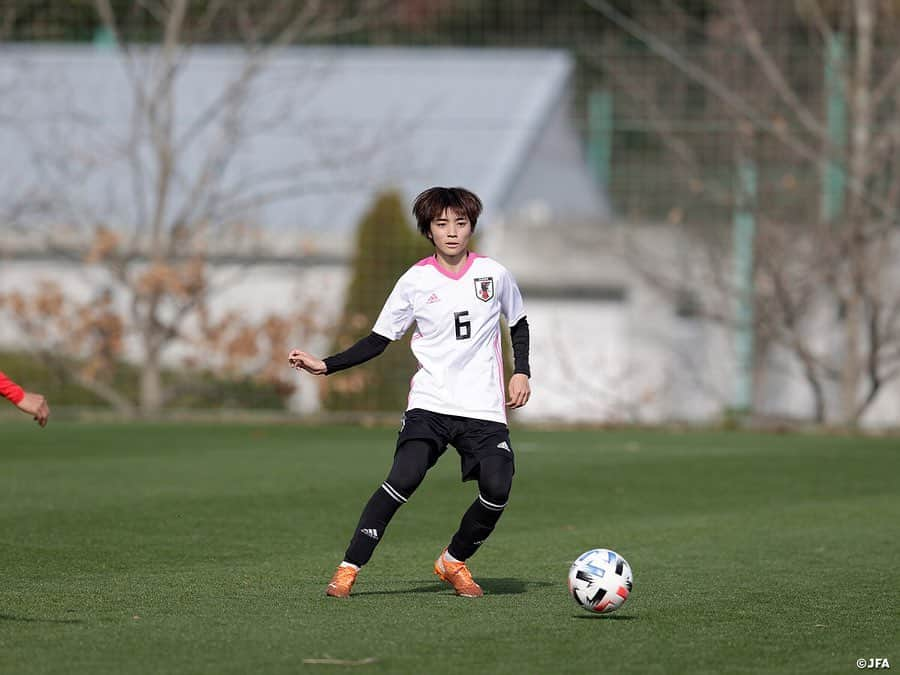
<point>432,260</point>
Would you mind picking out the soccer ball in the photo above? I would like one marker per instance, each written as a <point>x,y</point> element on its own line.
<point>600,580</point>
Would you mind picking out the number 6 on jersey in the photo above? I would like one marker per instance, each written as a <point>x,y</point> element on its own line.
<point>463,328</point>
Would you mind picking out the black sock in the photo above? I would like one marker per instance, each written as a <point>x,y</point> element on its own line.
<point>372,524</point>
<point>476,526</point>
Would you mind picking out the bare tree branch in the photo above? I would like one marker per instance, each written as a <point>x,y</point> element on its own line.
<point>738,104</point>
<point>186,199</point>
<point>817,274</point>
<point>106,392</point>
<point>773,73</point>
<point>862,109</point>
<point>819,20</point>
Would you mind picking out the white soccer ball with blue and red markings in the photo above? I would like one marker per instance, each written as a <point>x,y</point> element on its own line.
<point>600,580</point>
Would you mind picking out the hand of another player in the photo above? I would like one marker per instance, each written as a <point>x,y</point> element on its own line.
<point>302,361</point>
<point>519,391</point>
<point>36,406</point>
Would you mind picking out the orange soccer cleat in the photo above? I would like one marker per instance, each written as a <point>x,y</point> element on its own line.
<point>457,575</point>
<point>342,582</point>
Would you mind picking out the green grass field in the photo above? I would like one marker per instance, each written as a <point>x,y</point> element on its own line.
<point>206,549</point>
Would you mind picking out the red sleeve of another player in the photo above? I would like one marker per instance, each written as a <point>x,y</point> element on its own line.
<point>10,390</point>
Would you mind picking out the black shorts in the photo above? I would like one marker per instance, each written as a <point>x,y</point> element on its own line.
<point>473,439</point>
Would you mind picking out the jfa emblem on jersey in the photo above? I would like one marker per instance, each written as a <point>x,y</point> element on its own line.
<point>484,288</point>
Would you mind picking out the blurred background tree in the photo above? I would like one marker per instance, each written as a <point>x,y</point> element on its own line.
<point>156,275</point>
<point>387,244</point>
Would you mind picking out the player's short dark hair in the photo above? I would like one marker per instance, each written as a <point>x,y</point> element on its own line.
<point>432,202</point>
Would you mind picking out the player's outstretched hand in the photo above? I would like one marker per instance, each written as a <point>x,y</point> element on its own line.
<point>519,391</point>
<point>36,406</point>
<point>303,361</point>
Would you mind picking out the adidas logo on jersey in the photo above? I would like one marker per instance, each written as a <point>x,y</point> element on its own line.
<point>504,445</point>
<point>433,298</point>
<point>370,532</point>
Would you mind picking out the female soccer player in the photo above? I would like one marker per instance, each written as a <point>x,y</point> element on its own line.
<point>455,297</point>
<point>33,404</point>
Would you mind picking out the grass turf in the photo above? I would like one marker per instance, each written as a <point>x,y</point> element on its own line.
<point>199,548</point>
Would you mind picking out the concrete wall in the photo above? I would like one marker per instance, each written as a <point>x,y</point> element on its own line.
<point>593,359</point>
<point>254,292</point>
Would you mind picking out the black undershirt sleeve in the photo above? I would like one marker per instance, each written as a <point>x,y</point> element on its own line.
<point>520,343</point>
<point>367,348</point>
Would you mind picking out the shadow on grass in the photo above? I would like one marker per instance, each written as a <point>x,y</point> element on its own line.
<point>31,619</point>
<point>506,586</point>
<point>605,617</point>
<point>495,586</point>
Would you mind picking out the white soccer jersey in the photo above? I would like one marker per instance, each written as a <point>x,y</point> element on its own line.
<point>457,335</point>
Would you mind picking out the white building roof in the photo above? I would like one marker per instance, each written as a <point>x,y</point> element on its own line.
<point>329,126</point>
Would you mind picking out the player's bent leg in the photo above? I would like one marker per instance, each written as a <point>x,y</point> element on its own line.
<point>494,483</point>
<point>495,478</point>
<point>411,462</point>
